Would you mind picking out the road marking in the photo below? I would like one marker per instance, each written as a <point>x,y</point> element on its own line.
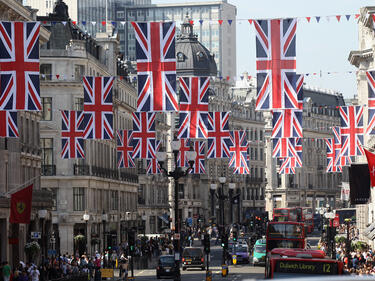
<point>140,272</point>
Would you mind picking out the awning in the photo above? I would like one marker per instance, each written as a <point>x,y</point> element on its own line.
<point>369,229</point>
<point>164,218</point>
<point>371,236</point>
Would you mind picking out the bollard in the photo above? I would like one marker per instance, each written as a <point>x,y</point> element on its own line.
<point>208,275</point>
<point>224,270</point>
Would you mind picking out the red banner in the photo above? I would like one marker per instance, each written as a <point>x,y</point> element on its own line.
<point>371,165</point>
<point>20,205</point>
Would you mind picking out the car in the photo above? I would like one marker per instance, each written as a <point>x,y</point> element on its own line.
<point>193,257</point>
<point>166,267</point>
<point>241,251</point>
<point>259,252</point>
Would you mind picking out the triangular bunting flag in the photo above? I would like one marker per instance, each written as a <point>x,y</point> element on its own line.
<point>122,22</point>
<point>201,22</point>
<point>53,23</point>
<point>83,22</point>
<point>93,22</point>
<point>250,21</point>
<point>347,17</point>
<point>220,22</point>
<point>338,18</point>
<point>44,22</point>
<point>228,78</point>
<point>373,18</point>
<point>308,19</point>
<point>103,22</point>
<point>230,22</point>
<point>113,23</point>
<point>191,22</point>
<point>317,19</point>
<point>57,76</point>
<point>63,22</point>
<point>74,22</point>
<point>356,16</point>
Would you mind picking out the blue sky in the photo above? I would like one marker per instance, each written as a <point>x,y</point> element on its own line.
<point>320,47</point>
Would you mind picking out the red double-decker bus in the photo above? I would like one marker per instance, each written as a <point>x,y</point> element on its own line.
<point>296,214</point>
<point>285,235</point>
<point>289,263</point>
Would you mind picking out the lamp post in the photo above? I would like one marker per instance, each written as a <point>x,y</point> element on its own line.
<point>176,174</point>
<point>348,242</point>
<point>86,218</point>
<point>213,188</point>
<point>42,215</point>
<point>330,235</point>
<point>104,221</point>
<point>222,181</point>
<point>232,186</point>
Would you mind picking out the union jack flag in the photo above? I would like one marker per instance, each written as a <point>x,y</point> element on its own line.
<point>238,152</point>
<point>156,66</point>
<point>339,160</point>
<point>8,124</point>
<point>276,64</point>
<point>331,156</point>
<point>19,66</point>
<point>351,130</point>
<point>198,168</point>
<point>283,147</point>
<point>181,158</point>
<point>287,123</point>
<point>193,107</point>
<point>371,102</point>
<point>124,149</point>
<point>299,88</point>
<point>287,166</point>
<point>98,107</point>
<point>144,136</point>
<point>153,166</point>
<point>218,135</point>
<point>72,126</point>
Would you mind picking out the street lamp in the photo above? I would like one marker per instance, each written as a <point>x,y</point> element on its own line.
<point>42,215</point>
<point>213,188</point>
<point>104,221</point>
<point>86,218</point>
<point>330,234</point>
<point>176,174</point>
<point>232,186</point>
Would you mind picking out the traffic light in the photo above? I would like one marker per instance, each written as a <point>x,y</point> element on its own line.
<point>224,241</point>
<point>131,241</point>
<point>235,236</point>
<point>206,243</point>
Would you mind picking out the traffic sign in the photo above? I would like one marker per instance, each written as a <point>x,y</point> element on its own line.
<point>36,235</point>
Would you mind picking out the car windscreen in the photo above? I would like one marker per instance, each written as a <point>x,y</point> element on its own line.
<point>192,252</point>
<point>260,248</point>
<point>167,260</point>
<point>241,248</point>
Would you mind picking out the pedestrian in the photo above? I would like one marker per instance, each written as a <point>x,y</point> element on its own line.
<point>34,274</point>
<point>6,271</point>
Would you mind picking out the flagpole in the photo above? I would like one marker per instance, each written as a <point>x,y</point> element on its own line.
<point>7,194</point>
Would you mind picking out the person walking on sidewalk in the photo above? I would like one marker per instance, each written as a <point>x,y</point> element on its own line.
<point>6,271</point>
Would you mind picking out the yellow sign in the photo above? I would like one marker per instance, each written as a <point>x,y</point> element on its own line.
<point>107,272</point>
<point>234,259</point>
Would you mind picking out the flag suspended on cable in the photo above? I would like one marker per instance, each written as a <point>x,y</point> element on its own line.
<point>371,102</point>
<point>287,123</point>
<point>181,158</point>
<point>153,166</point>
<point>218,135</point>
<point>8,124</point>
<point>125,149</point>
<point>193,107</point>
<point>299,89</point>
<point>340,160</point>
<point>72,127</point>
<point>98,107</point>
<point>144,136</point>
<point>276,64</point>
<point>156,66</point>
<point>331,156</point>
<point>238,152</point>
<point>287,166</point>
<point>371,165</point>
<point>19,66</point>
<point>351,130</point>
<point>199,148</point>
<point>283,147</point>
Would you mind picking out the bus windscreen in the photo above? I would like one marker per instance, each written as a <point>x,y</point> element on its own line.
<point>285,231</point>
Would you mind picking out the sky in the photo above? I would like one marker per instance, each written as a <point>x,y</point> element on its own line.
<point>321,47</point>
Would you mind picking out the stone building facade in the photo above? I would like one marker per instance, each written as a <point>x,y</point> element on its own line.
<point>20,165</point>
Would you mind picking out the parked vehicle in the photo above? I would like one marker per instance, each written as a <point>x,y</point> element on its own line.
<point>166,267</point>
<point>193,257</point>
<point>259,252</point>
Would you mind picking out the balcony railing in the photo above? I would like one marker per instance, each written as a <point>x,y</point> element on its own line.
<point>84,170</point>
<point>81,170</point>
<point>48,170</point>
<point>253,180</point>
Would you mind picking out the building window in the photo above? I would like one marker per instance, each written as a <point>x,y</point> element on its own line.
<point>120,15</point>
<point>141,195</point>
<point>181,192</point>
<point>79,71</point>
<point>47,109</point>
<point>78,104</point>
<point>45,71</point>
<point>54,199</point>
<point>46,145</point>
<point>78,199</point>
<point>261,154</point>
<point>114,200</point>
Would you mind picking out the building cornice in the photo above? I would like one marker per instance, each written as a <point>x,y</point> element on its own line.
<point>355,57</point>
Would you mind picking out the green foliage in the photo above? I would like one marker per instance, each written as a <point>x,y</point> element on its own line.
<point>360,245</point>
<point>340,239</point>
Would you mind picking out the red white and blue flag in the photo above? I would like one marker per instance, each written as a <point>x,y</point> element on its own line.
<point>19,66</point>
<point>299,89</point>
<point>125,149</point>
<point>287,123</point>
<point>156,66</point>
<point>276,64</point>
<point>72,127</point>
<point>193,107</point>
<point>144,135</point>
<point>371,102</point>
<point>98,107</point>
<point>287,166</point>
<point>8,124</point>
<point>331,157</point>
<point>199,148</point>
<point>238,152</point>
<point>153,166</point>
<point>181,158</point>
<point>283,147</point>
<point>218,135</point>
<point>351,130</point>
<point>339,160</point>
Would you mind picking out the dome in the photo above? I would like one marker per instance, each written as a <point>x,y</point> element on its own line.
<point>193,59</point>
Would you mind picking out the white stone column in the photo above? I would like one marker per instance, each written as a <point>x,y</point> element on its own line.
<point>66,238</point>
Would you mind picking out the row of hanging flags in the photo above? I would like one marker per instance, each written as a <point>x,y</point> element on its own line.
<point>279,90</point>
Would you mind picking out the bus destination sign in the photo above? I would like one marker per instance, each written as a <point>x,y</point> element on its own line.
<point>306,266</point>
